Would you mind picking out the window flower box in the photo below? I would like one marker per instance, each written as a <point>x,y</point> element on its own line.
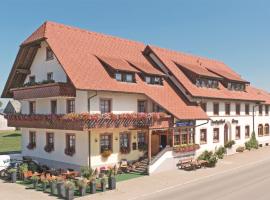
<point>31,146</point>
<point>124,150</point>
<point>186,148</point>
<point>70,151</point>
<point>106,153</point>
<point>49,148</point>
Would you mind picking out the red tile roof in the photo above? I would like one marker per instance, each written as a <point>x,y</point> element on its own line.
<point>76,50</point>
<point>169,58</point>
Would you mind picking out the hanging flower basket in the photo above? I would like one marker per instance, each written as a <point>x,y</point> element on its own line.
<point>31,146</point>
<point>185,148</point>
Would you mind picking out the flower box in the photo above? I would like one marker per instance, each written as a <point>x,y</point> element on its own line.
<point>186,148</point>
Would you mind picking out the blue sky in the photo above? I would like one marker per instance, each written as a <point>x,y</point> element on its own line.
<point>236,32</point>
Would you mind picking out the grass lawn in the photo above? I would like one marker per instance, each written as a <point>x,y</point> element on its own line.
<point>127,176</point>
<point>10,141</point>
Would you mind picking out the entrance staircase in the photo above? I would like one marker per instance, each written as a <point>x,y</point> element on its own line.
<point>141,166</point>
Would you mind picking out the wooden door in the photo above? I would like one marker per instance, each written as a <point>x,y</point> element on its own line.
<point>154,144</point>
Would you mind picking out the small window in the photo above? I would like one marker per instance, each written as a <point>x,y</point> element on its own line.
<point>204,106</point>
<point>49,54</point>
<point>32,107</point>
<point>50,139</point>
<point>105,142</point>
<point>238,108</point>
<point>266,109</point>
<point>142,106</point>
<point>203,136</point>
<point>247,132</point>
<point>266,129</point>
<point>216,108</point>
<point>216,135</point>
<point>54,107</point>
<point>71,106</point>
<point>148,79</point>
<point>32,79</point>
<point>247,109</point>
<point>227,108</point>
<point>50,76</point>
<point>157,108</point>
<point>32,137</point>
<point>70,143</point>
<point>118,76</point>
<point>238,133</point>
<point>260,130</point>
<point>141,138</point>
<point>154,80</point>
<point>260,109</point>
<point>124,142</point>
<point>129,78</point>
<point>105,106</point>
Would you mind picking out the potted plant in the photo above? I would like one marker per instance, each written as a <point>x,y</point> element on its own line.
<point>60,187</point>
<point>86,172</point>
<point>111,179</point>
<point>82,184</point>
<point>93,186</point>
<point>106,153</point>
<point>13,174</point>
<point>35,180</point>
<point>45,183</point>
<point>22,170</point>
<point>53,185</point>
<point>103,184</point>
<point>69,186</point>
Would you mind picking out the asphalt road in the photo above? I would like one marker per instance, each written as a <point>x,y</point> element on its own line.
<point>248,183</point>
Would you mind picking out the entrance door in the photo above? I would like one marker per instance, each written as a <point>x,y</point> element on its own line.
<point>226,134</point>
<point>163,141</point>
<point>154,144</point>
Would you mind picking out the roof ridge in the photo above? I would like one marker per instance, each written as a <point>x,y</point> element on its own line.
<point>93,32</point>
<point>187,54</point>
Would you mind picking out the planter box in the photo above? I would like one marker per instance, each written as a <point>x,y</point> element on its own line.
<point>61,190</point>
<point>69,194</point>
<point>13,177</point>
<point>112,183</point>
<point>53,188</point>
<point>82,191</point>
<point>93,188</point>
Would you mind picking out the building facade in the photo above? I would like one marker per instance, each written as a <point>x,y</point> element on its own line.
<point>92,99</point>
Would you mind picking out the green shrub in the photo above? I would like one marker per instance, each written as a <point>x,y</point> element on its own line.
<point>23,168</point>
<point>229,144</point>
<point>69,185</point>
<point>212,160</point>
<point>220,152</point>
<point>206,155</point>
<point>86,172</point>
<point>252,143</point>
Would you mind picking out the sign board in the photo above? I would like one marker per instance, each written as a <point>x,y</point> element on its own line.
<point>184,123</point>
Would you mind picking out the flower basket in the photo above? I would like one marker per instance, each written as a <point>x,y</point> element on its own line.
<point>31,146</point>
<point>106,153</point>
<point>49,148</point>
<point>186,148</point>
<point>124,150</point>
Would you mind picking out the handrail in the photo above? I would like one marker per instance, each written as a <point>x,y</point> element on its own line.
<point>160,154</point>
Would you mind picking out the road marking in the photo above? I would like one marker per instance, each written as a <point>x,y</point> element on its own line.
<point>199,179</point>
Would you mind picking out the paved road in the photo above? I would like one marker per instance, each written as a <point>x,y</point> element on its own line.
<point>248,183</point>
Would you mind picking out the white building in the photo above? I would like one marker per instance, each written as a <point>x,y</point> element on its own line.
<point>65,78</point>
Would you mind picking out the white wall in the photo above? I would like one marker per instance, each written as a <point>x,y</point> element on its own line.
<point>3,124</point>
<point>40,67</point>
<point>79,158</point>
<point>243,120</point>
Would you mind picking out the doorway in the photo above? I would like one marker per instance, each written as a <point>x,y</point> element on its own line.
<point>163,141</point>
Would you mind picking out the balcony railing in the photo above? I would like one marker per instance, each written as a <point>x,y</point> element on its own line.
<point>44,91</point>
<point>87,121</point>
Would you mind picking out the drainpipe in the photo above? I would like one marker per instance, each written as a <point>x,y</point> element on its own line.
<point>89,133</point>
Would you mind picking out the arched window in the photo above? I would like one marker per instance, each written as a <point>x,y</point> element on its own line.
<point>266,129</point>
<point>260,130</point>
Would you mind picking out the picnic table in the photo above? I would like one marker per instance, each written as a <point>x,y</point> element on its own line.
<point>191,164</point>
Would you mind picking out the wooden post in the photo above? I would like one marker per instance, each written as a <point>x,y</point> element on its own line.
<point>149,145</point>
<point>172,137</point>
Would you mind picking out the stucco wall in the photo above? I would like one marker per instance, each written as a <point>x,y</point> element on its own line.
<point>79,158</point>
<point>3,124</point>
<point>40,67</point>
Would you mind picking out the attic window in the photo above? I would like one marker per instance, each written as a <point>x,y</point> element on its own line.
<point>236,86</point>
<point>154,80</point>
<point>207,83</point>
<point>49,54</point>
<point>124,77</point>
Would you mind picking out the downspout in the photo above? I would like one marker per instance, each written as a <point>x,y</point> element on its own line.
<point>89,132</point>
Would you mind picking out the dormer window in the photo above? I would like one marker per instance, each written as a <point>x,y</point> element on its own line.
<point>207,83</point>
<point>50,76</point>
<point>124,77</point>
<point>49,54</point>
<point>236,86</point>
<point>154,80</point>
